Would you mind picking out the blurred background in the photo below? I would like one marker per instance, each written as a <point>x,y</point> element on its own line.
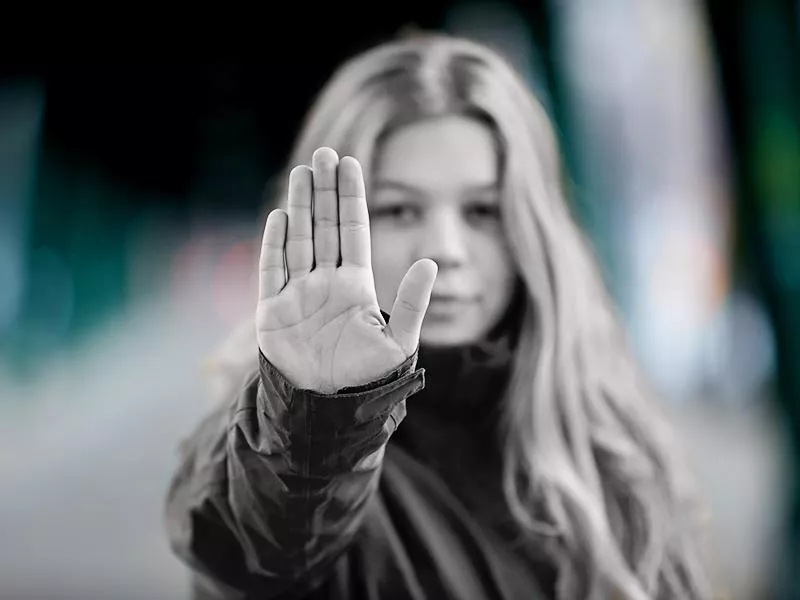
<point>132,195</point>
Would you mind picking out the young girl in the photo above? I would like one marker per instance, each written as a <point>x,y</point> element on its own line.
<point>439,401</point>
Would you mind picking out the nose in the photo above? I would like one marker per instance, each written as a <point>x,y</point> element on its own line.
<point>445,239</point>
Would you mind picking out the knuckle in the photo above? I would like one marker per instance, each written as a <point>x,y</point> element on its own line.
<point>406,305</point>
<point>326,222</point>
<point>353,226</point>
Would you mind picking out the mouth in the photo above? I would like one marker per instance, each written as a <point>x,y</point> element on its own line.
<point>452,300</point>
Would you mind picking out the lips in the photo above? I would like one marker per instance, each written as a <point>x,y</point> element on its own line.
<point>452,298</point>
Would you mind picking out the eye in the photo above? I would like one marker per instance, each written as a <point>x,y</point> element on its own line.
<point>397,213</point>
<point>482,212</point>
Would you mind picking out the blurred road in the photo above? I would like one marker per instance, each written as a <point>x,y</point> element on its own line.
<point>86,453</point>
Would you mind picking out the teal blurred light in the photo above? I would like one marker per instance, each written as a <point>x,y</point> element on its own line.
<point>21,114</point>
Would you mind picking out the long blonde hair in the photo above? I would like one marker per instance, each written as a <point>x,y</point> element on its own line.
<point>590,471</point>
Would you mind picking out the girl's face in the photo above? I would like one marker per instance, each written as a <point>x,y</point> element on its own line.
<point>436,194</point>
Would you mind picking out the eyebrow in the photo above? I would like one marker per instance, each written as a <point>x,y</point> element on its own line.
<point>407,187</point>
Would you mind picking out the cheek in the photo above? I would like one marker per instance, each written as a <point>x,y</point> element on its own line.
<point>497,272</point>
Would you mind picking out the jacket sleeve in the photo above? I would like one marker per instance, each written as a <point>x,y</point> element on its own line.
<point>271,488</point>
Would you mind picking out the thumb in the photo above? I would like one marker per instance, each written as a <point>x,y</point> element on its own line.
<point>413,297</point>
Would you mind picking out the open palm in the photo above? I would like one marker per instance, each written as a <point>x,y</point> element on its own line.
<point>318,319</point>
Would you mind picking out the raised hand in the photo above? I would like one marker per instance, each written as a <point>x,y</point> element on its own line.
<point>318,319</point>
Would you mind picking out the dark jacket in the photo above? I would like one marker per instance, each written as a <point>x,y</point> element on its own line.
<point>289,493</point>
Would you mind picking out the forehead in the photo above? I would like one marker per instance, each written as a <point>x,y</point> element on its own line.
<point>446,152</point>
